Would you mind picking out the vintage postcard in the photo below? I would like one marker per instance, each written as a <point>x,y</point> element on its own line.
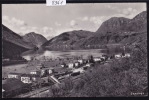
<point>74,50</point>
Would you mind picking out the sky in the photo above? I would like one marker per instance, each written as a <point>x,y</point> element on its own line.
<point>51,21</point>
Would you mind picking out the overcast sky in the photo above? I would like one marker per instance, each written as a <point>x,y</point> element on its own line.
<point>52,21</point>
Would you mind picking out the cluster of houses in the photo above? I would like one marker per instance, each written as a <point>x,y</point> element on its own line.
<point>32,79</point>
<point>44,75</point>
<point>118,56</point>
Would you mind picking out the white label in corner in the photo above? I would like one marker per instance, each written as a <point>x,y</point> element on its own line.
<point>55,2</point>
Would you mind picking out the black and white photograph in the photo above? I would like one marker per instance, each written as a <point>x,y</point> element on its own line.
<point>74,50</point>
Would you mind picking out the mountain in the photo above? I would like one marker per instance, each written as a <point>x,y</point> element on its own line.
<point>120,30</point>
<point>12,43</point>
<point>114,24</point>
<point>34,39</point>
<point>68,40</point>
<point>12,37</point>
<point>11,50</point>
<point>116,30</point>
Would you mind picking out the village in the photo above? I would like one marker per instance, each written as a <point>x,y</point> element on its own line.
<point>19,83</point>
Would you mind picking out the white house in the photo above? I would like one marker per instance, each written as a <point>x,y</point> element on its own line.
<point>117,56</point>
<point>78,70</point>
<point>50,71</point>
<point>62,65</point>
<point>70,65</point>
<point>26,79</point>
<point>127,55</point>
<point>14,75</point>
<point>97,59</point>
<point>76,64</point>
<point>88,65</point>
<point>80,61</point>
<point>35,72</point>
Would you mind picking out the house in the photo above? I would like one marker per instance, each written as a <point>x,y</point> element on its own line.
<point>70,65</point>
<point>26,78</point>
<point>47,71</point>
<point>80,61</point>
<point>117,56</point>
<point>50,71</point>
<point>35,72</point>
<point>89,64</point>
<point>97,59</point>
<point>62,65</point>
<point>76,64</point>
<point>127,55</point>
<point>81,70</point>
<point>14,75</point>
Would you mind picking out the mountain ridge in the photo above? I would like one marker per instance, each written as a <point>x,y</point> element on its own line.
<point>34,38</point>
<point>113,30</point>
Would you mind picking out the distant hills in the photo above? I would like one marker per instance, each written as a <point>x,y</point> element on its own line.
<point>14,38</point>
<point>120,30</point>
<point>114,30</point>
<point>34,39</point>
<point>13,44</point>
<point>68,40</point>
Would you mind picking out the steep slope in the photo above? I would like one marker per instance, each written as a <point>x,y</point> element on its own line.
<point>11,50</point>
<point>116,30</point>
<point>14,38</point>
<point>12,43</point>
<point>34,38</point>
<point>114,24</point>
<point>69,40</point>
<point>120,30</point>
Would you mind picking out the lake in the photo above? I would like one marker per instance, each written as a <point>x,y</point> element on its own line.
<point>63,54</point>
<point>72,53</point>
